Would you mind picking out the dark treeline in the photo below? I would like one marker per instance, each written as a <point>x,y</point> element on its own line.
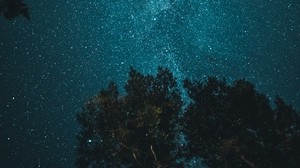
<point>226,125</point>
<point>10,9</point>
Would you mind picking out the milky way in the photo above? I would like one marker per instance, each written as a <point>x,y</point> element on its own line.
<point>69,50</point>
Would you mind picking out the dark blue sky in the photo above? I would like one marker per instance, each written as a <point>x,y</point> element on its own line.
<point>71,48</point>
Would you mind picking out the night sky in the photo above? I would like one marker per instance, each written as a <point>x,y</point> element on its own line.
<point>70,49</point>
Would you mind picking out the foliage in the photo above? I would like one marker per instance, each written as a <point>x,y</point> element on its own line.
<point>225,125</point>
<point>10,9</point>
<point>135,130</point>
<point>234,126</point>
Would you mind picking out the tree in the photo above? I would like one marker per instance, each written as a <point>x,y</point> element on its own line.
<point>135,130</point>
<point>10,9</point>
<point>235,126</point>
<point>225,125</point>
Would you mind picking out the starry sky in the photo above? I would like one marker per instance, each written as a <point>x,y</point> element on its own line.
<point>70,49</point>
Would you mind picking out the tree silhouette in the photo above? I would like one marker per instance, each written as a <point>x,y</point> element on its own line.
<point>10,9</point>
<point>225,125</point>
<point>135,130</point>
<point>234,126</point>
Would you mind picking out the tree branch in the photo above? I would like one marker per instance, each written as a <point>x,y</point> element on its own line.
<point>156,161</point>
<point>248,162</point>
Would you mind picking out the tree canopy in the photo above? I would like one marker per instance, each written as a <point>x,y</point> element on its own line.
<point>135,130</point>
<point>235,126</point>
<point>226,125</point>
<point>10,9</point>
